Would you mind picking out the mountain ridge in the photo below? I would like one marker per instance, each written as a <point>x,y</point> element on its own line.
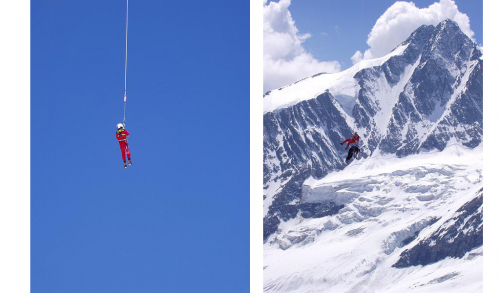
<point>424,95</point>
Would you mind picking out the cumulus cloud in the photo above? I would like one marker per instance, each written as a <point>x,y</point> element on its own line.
<point>402,18</point>
<point>358,56</point>
<point>285,59</point>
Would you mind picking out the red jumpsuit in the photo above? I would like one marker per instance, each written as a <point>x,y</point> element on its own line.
<point>121,136</point>
<point>350,141</point>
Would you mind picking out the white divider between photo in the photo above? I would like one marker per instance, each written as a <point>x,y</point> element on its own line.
<point>15,146</point>
<point>256,146</point>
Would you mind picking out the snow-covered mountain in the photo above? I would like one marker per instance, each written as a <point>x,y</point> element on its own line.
<point>423,100</point>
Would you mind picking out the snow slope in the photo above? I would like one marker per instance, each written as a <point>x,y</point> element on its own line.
<point>341,83</point>
<point>388,205</point>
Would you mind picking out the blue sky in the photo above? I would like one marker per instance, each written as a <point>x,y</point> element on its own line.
<point>178,219</point>
<point>340,28</point>
<point>303,38</point>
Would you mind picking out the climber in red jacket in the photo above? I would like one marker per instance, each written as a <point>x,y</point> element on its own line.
<point>121,136</point>
<point>353,140</point>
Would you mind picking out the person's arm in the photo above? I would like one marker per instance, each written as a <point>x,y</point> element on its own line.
<point>345,141</point>
<point>126,132</point>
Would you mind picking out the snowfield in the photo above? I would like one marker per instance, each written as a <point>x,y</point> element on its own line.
<point>340,83</point>
<point>385,205</point>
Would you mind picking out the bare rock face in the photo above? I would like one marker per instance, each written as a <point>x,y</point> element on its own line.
<point>454,238</point>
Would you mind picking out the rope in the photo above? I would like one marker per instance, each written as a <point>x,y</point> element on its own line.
<point>126,55</point>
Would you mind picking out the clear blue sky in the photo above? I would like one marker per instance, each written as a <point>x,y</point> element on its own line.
<point>348,23</point>
<point>178,219</point>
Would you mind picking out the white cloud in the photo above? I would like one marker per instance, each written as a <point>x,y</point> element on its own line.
<point>402,18</point>
<point>358,56</point>
<point>285,60</point>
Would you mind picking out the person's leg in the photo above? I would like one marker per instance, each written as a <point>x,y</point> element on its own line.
<point>128,154</point>
<point>349,155</point>
<point>123,153</point>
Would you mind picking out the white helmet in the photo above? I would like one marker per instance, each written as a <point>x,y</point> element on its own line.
<point>119,125</point>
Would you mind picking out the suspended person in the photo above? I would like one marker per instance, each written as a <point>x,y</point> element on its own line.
<point>121,136</point>
<point>354,150</point>
<point>353,140</point>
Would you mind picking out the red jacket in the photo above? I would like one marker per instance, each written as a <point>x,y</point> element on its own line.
<point>351,140</point>
<point>121,135</point>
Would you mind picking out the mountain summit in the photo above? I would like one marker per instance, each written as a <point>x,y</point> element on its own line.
<point>424,95</point>
<point>424,98</point>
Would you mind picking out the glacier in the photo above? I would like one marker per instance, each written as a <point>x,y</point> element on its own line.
<point>390,205</point>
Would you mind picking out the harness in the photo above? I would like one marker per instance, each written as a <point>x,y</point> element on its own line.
<point>121,133</point>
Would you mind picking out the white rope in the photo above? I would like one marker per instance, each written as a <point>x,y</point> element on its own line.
<point>126,55</point>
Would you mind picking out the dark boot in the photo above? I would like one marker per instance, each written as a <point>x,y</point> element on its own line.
<point>130,162</point>
<point>125,165</point>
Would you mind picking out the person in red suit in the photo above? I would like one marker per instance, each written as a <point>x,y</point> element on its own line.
<point>353,140</point>
<point>121,136</point>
